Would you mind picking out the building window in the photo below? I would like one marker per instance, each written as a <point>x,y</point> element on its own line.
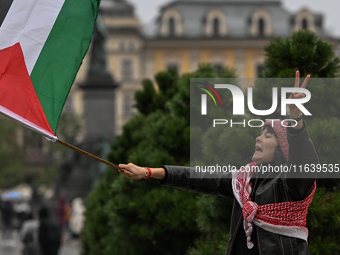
<point>127,106</point>
<point>131,46</point>
<point>173,66</point>
<point>127,69</point>
<point>337,51</point>
<point>171,23</point>
<point>216,27</point>
<point>122,46</point>
<point>304,24</point>
<point>305,20</point>
<point>259,69</point>
<point>215,24</point>
<point>261,27</point>
<point>218,68</point>
<point>261,24</point>
<point>172,26</point>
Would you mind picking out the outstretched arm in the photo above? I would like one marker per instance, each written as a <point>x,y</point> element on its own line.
<point>136,172</point>
<point>185,178</point>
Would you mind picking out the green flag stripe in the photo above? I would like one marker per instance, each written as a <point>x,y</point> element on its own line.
<point>62,54</point>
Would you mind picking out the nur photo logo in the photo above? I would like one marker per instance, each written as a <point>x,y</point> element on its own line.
<point>204,97</point>
<point>277,94</point>
<point>238,100</point>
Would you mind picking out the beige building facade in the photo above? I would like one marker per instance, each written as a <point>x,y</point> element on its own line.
<point>225,33</point>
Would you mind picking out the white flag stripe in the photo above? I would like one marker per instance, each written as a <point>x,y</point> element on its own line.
<point>29,30</point>
<point>27,123</point>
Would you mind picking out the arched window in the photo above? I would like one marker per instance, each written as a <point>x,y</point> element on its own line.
<point>261,27</point>
<point>171,23</point>
<point>172,26</point>
<point>260,24</point>
<point>216,25</point>
<point>304,24</point>
<point>305,20</point>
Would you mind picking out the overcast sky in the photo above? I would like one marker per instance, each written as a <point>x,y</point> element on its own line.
<point>148,9</point>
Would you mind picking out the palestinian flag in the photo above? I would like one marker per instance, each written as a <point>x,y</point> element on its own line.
<point>42,44</point>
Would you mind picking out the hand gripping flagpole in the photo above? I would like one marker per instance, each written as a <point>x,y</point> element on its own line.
<point>88,154</point>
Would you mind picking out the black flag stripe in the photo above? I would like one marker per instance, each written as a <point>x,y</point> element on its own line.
<point>4,7</point>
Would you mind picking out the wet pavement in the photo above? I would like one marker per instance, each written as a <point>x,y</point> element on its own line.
<point>14,246</point>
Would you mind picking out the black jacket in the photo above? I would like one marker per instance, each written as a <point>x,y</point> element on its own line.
<point>266,191</point>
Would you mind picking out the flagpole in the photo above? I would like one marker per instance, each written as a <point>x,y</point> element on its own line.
<point>88,154</point>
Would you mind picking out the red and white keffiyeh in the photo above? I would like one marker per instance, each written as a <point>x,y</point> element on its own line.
<point>286,218</point>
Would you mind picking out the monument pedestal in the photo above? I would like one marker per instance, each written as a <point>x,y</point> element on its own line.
<point>99,108</point>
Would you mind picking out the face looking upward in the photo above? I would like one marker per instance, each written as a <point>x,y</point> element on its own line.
<point>265,147</point>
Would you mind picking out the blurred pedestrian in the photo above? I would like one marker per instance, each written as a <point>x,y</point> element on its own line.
<point>22,209</point>
<point>7,213</point>
<point>67,215</point>
<point>49,234</point>
<point>29,236</point>
<point>77,217</point>
<point>61,211</point>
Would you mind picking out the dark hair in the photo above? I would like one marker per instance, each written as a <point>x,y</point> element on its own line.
<point>278,156</point>
<point>44,213</point>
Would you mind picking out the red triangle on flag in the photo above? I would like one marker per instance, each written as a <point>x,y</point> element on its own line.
<point>17,93</point>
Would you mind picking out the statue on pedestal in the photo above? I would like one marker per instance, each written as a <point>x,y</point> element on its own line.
<point>98,53</point>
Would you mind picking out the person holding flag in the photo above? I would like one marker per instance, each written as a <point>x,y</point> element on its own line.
<point>269,213</point>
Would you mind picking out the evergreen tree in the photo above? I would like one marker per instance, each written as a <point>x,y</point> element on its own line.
<point>13,171</point>
<point>126,216</point>
<point>303,51</point>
